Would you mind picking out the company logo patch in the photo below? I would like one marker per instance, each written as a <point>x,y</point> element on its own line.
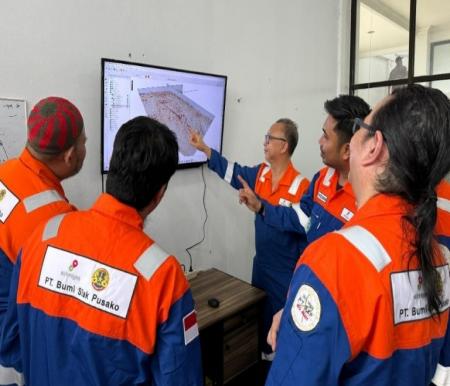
<point>190,327</point>
<point>100,279</point>
<point>346,214</point>
<point>306,309</point>
<point>322,197</point>
<point>8,202</point>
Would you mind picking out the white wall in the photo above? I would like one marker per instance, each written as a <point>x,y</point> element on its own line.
<point>281,59</point>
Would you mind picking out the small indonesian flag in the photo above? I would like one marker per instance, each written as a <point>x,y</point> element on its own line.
<point>190,327</point>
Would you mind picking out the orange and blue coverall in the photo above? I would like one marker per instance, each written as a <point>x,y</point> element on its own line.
<point>277,250</point>
<point>95,301</point>
<point>357,312</point>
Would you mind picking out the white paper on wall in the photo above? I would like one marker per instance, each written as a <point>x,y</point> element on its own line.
<point>13,115</point>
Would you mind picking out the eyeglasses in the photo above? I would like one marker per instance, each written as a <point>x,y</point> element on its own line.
<point>269,137</point>
<point>358,123</point>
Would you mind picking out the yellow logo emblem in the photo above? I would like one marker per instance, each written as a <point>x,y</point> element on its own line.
<point>100,279</point>
<point>2,194</point>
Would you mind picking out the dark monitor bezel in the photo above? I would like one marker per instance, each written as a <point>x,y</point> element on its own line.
<point>180,166</point>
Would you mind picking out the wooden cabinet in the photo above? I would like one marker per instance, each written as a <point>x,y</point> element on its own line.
<point>229,333</point>
<point>240,343</point>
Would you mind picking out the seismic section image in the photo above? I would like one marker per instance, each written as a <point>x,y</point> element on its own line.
<point>170,106</point>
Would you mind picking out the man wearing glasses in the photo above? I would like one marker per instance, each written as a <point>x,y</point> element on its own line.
<point>277,182</point>
<point>329,202</point>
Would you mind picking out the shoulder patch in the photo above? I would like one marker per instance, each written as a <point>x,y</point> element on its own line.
<point>306,309</point>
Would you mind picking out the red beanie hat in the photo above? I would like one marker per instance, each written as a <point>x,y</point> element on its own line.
<point>54,125</point>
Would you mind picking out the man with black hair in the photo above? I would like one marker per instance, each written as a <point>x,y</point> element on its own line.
<point>96,301</point>
<point>329,202</point>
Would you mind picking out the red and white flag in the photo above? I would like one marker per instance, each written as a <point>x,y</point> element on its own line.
<point>190,327</point>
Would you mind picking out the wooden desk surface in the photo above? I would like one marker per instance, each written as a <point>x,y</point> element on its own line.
<point>233,294</point>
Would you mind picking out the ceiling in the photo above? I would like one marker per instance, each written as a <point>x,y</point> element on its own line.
<point>384,24</point>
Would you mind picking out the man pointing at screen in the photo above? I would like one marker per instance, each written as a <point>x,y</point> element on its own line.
<point>278,182</point>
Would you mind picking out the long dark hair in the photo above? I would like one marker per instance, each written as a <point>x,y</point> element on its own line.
<point>415,123</point>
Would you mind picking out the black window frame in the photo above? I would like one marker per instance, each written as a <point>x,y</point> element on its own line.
<point>411,55</point>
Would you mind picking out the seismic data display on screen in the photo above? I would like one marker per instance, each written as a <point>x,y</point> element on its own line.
<point>179,99</point>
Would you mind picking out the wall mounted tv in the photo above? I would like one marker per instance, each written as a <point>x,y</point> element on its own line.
<point>178,98</point>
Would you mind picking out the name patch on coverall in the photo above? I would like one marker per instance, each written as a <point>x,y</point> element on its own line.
<point>410,299</point>
<point>96,284</point>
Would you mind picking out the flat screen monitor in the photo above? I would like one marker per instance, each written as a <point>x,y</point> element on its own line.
<point>180,99</point>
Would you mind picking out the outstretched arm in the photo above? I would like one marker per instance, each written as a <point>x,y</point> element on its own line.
<point>225,169</point>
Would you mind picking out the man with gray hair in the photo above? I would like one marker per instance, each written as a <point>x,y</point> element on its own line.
<point>279,183</point>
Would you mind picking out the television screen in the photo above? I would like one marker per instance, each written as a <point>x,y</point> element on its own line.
<point>178,98</point>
